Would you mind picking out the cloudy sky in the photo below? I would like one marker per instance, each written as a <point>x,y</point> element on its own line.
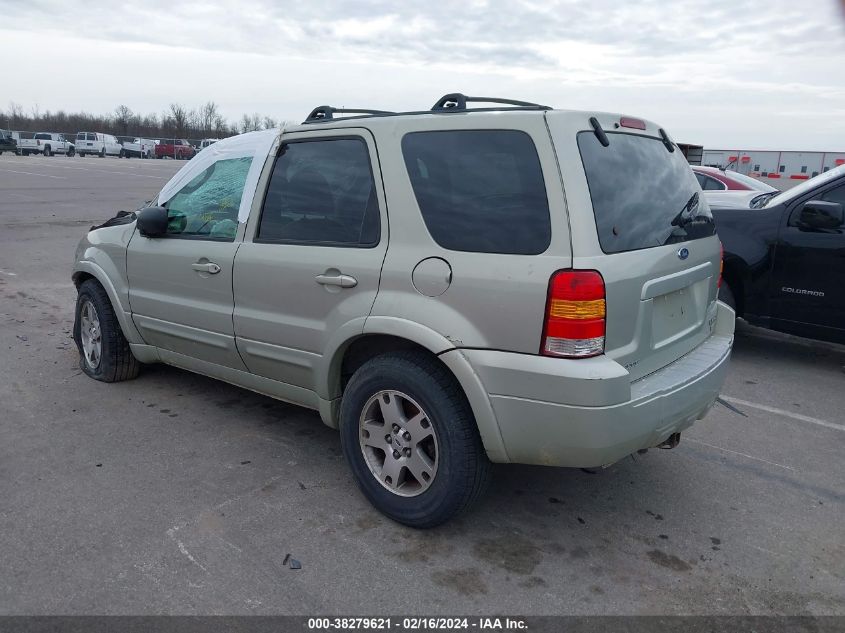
<point>738,73</point>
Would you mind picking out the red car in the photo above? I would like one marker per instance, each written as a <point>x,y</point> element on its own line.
<point>177,148</point>
<point>715,179</point>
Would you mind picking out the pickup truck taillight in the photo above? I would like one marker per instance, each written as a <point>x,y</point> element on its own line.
<point>574,326</point>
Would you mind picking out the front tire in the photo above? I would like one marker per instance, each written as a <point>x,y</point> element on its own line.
<point>434,465</point>
<point>104,353</point>
<point>71,152</point>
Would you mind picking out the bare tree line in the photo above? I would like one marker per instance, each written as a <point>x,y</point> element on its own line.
<point>176,121</point>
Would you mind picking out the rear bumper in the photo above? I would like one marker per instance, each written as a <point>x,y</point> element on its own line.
<point>588,413</point>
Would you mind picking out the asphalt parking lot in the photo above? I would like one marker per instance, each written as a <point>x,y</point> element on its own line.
<point>174,493</point>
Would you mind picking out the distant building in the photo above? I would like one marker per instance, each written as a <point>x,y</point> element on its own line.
<point>779,169</point>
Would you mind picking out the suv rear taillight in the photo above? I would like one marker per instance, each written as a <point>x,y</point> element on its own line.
<point>721,264</point>
<point>575,315</point>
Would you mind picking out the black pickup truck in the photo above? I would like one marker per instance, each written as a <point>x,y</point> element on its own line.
<point>784,259</point>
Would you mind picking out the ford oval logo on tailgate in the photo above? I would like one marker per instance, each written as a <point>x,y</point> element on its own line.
<point>683,253</point>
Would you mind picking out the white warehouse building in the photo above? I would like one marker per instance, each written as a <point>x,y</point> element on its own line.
<point>780,169</point>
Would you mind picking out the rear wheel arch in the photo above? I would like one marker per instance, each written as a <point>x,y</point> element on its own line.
<point>366,347</point>
<point>358,350</point>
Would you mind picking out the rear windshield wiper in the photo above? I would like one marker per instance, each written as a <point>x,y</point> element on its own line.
<point>685,215</point>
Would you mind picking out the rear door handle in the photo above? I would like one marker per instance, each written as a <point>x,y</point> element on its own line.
<point>209,267</point>
<point>344,281</point>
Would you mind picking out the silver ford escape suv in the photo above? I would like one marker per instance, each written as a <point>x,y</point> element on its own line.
<point>501,282</point>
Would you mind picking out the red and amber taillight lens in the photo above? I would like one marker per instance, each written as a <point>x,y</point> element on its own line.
<point>575,315</point>
<point>721,264</point>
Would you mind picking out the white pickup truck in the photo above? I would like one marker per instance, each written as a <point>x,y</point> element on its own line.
<point>46,143</point>
<point>140,148</point>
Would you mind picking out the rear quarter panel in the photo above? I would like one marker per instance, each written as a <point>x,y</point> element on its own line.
<point>494,300</point>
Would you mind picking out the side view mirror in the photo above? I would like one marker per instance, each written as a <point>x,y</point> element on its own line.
<point>152,222</point>
<point>820,214</point>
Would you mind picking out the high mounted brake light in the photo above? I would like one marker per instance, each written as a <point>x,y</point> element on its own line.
<point>574,325</point>
<point>629,121</point>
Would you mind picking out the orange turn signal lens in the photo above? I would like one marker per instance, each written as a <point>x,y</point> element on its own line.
<point>569,309</point>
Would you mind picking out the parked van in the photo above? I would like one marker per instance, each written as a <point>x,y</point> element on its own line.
<point>98,143</point>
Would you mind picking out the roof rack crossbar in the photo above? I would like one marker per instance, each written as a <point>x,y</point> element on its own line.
<point>458,101</point>
<point>325,113</point>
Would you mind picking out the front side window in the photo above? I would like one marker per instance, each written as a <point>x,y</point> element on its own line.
<point>480,190</point>
<point>207,207</point>
<point>643,195</point>
<point>321,192</point>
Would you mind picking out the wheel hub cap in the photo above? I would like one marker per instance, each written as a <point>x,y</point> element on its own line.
<point>89,332</point>
<point>398,443</point>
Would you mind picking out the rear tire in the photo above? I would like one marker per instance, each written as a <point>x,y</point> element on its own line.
<point>71,152</point>
<point>47,151</point>
<point>104,353</point>
<point>726,295</point>
<point>445,437</point>
<point>103,153</point>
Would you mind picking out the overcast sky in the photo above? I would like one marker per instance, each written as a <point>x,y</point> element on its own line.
<point>739,73</point>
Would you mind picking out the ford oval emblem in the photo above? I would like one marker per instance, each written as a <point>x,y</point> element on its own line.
<point>683,253</point>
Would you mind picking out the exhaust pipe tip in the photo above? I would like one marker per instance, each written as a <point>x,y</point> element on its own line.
<point>670,442</point>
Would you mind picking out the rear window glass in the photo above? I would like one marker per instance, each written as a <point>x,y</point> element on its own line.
<point>480,190</point>
<point>643,195</point>
<point>43,136</point>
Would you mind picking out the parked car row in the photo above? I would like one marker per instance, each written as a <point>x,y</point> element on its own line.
<point>99,144</point>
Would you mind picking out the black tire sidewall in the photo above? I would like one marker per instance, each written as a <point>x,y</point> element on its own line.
<point>91,290</point>
<point>445,495</point>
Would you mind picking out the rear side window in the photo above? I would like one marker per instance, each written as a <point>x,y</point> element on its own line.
<point>321,192</point>
<point>711,184</point>
<point>643,195</point>
<point>480,190</point>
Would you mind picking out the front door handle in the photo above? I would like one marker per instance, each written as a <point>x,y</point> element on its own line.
<point>208,267</point>
<point>344,281</point>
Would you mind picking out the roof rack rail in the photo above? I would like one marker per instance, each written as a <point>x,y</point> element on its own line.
<point>458,101</point>
<point>325,113</point>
